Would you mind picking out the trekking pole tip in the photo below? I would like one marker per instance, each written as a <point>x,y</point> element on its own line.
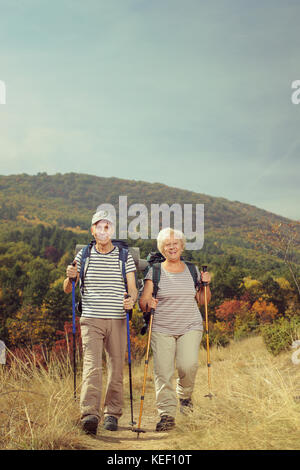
<point>138,431</point>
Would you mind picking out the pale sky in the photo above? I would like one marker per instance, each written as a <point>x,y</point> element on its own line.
<point>188,93</point>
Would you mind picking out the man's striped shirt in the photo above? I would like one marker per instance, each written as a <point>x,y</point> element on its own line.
<point>177,311</point>
<point>104,285</point>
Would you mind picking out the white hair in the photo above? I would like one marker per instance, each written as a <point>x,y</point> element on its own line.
<point>166,233</point>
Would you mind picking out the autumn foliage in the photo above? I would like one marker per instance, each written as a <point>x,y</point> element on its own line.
<point>64,346</point>
<point>264,311</point>
<point>229,310</point>
<point>29,327</point>
<point>36,315</point>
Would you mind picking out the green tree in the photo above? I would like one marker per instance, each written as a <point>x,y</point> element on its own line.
<point>227,282</point>
<point>38,282</point>
<point>58,305</point>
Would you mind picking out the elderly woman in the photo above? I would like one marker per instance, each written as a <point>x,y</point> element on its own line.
<point>177,327</point>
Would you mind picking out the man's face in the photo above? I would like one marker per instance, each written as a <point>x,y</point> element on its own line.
<point>102,231</point>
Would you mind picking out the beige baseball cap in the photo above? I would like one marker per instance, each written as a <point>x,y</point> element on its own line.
<point>102,215</point>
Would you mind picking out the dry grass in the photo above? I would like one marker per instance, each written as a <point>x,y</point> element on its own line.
<point>255,403</point>
<point>37,408</point>
<point>254,406</point>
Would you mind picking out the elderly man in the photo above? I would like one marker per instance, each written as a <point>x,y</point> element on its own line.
<point>103,323</point>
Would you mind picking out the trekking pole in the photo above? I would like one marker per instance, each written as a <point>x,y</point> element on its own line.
<point>74,331</point>
<point>138,429</point>
<point>129,364</point>
<point>204,269</point>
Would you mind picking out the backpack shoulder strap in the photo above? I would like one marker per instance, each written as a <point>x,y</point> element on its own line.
<point>85,258</point>
<point>123,255</point>
<point>156,277</point>
<point>193,272</point>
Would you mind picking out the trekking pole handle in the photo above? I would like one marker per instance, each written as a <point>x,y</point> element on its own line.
<point>152,310</point>
<point>127,297</point>
<point>204,269</point>
<point>73,278</point>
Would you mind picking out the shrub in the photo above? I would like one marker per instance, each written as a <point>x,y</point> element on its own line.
<point>244,327</point>
<point>64,346</point>
<point>229,310</point>
<point>279,335</point>
<point>138,346</point>
<point>265,311</point>
<point>138,342</point>
<point>219,334</point>
<point>26,357</point>
<point>29,327</point>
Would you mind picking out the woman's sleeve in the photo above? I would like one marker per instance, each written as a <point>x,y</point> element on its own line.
<point>149,274</point>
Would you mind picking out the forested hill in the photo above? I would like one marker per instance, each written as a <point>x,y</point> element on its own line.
<point>70,199</point>
<point>67,201</point>
<point>43,218</point>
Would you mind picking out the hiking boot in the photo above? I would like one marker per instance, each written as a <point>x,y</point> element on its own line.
<point>90,424</point>
<point>166,423</point>
<point>186,405</point>
<point>110,423</point>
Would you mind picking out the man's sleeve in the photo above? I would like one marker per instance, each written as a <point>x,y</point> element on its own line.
<point>78,259</point>
<point>130,264</point>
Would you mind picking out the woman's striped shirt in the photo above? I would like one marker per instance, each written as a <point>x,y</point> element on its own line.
<point>177,311</point>
<point>104,284</point>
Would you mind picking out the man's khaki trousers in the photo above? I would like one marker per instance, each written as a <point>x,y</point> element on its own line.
<point>168,350</point>
<point>96,333</point>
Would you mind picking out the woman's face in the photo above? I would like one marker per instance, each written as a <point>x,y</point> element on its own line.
<point>102,231</point>
<point>172,248</point>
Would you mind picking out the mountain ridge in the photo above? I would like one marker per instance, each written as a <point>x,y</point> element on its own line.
<point>69,200</point>
<point>12,184</point>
